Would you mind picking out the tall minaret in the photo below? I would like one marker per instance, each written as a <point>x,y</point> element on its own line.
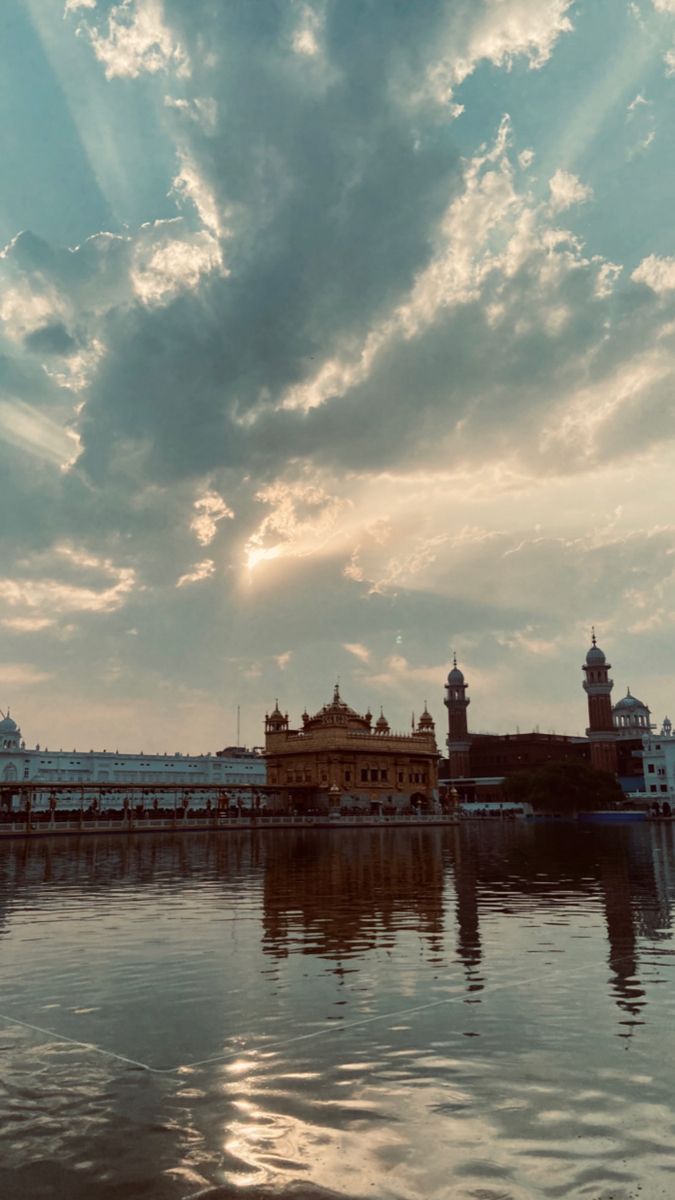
<point>458,743</point>
<point>601,731</point>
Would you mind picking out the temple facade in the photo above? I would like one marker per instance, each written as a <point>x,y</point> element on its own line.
<point>340,759</point>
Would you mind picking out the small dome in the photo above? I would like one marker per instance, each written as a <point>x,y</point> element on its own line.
<point>629,702</point>
<point>595,657</point>
<point>7,725</point>
<point>455,677</point>
<point>382,724</point>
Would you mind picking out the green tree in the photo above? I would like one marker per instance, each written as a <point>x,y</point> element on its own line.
<point>563,787</point>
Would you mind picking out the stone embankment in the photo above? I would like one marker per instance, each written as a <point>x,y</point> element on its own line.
<point>86,826</point>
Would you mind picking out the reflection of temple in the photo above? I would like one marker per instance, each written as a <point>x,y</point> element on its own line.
<point>338,896</point>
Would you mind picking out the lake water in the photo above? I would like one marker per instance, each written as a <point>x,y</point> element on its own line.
<point>484,1012</point>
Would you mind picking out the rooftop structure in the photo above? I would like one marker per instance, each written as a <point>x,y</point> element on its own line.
<point>339,758</point>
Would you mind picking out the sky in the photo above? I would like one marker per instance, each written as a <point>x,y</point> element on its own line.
<point>335,337</point>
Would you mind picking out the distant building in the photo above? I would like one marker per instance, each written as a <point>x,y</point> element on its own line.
<point>18,763</point>
<point>478,763</point>
<point>615,732</point>
<point>341,759</point>
<point>658,760</point>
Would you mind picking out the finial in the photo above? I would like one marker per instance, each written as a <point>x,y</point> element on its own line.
<point>336,691</point>
<point>454,658</point>
<point>593,641</point>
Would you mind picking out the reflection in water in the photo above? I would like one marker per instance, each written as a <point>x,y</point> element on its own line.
<point>338,1045</point>
<point>468,926</point>
<point>343,895</point>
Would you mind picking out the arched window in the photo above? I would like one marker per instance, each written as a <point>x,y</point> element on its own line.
<point>10,772</point>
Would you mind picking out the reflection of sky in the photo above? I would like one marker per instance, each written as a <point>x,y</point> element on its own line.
<point>332,300</point>
<point>349,1062</point>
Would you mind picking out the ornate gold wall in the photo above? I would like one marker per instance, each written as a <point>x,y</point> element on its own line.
<point>339,758</point>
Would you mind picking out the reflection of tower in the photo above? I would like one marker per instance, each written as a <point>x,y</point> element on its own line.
<point>623,951</point>
<point>468,928</point>
<point>458,743</point>
<point>601,731</point>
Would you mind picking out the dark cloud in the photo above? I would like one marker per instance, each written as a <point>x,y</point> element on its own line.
<point>50,339</point>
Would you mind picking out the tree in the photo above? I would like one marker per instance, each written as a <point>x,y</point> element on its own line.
<point>563,787</point>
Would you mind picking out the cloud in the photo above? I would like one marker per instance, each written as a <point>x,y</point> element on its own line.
<point>303,519</point>
<point>21,675</point>
<point>210,509</point>
<point>160,272</point>
<point>52,338</point>
<point>566,189</point>
<point>637,102</point>
<point>44,594</point>
<point>657,273</point>
<point>26,624</point>
<point>358,650</point>
<point>201,570</point>
<point>495,32</point>
<point>136,40</point>
<point>354,351</point>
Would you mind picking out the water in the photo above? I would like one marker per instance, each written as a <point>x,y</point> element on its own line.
<point>484,1012</point>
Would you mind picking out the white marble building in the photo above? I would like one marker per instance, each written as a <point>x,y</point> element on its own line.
<point>23,764</point>
<point>658,759</point>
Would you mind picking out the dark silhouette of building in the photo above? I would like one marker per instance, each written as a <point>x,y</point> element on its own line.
<point>477,763</point>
